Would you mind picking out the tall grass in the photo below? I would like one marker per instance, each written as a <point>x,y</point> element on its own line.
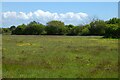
<point>59,57</point>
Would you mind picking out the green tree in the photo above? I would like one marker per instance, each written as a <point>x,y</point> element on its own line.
<point>34,29</point>
<point>112,31</point>
<point>113,21</point>
<point>19,30</point>
<point>55,28</point>
<point>72,30</point>
<point>12,28</point>
<point>85,30</point>
<point>97,27</point>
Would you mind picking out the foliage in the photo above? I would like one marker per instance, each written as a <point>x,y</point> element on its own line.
<point>12,28</point>
<point>34,29</point>
<point>19,30</point>
<point>85,30</point>
<point>113,21</point>
<point>5,31</point>
<point>72,30</point>
<point>97,27</point>
<point>112,31</point>
<point>55,28</point>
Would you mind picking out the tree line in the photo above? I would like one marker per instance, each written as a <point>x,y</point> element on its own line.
<point>108,29</point>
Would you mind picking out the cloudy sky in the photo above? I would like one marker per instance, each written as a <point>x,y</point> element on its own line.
<point>15,13</point>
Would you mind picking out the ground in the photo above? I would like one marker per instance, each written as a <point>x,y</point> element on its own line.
<point>59,57</point>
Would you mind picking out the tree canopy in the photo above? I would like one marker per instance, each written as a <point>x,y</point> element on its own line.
<point>109,28</point>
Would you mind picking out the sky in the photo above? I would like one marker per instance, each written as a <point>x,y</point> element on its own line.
<point>15,13</point>
<point>60,0</point>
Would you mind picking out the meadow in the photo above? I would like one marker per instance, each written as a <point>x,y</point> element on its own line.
<point>30,56</point>
<point>0,56</point>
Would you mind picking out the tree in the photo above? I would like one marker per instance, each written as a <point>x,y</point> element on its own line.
<point>12,28</point>
<point>97,27</point>
<point>5,30</point>
<point>72,30</point>
<point>34,29</point>
<point>69,29</point>
<point>113,21</point>
<point>19,30</point>
<point>112,31</point>
<point>85,30</point>
<point>113,28</point>
<point>55,28</point>
<point>32,23</point>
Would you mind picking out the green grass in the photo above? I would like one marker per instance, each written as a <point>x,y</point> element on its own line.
<point>0,56</point>
<point>59,57</point>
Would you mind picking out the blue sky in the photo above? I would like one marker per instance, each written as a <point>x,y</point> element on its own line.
<point>102,10</point>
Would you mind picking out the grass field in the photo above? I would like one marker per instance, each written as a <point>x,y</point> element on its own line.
<point>59,57</point>
<point>0,56</point>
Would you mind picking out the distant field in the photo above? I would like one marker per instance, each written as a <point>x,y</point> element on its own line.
<point>59,57</point>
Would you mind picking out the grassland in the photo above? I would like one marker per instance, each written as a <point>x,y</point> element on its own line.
<point>59,57</point>
<point>0,56</point>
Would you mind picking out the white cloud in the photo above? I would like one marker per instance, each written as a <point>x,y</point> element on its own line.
<point>15,18</point>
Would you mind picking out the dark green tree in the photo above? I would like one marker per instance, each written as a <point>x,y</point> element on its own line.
<point>19,30</point>
<point>72,30</point>
<point>12,28</point>
<point>113,21</point>
<point>112,31</point>
<point>34,29</point>
<point>97,27</point>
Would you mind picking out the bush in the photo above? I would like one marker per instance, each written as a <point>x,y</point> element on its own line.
<point>112,31</point>
<point>55,28</point>
<point>108,29</point>
<point>85,30</point>
<point>97,27</point>
<point>19,30</point>
<point>34,29</point>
